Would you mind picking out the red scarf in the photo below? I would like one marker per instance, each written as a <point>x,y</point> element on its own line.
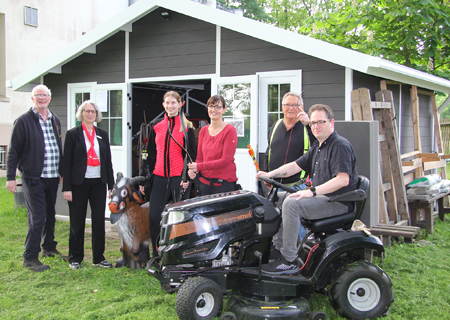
<point>92,159</point>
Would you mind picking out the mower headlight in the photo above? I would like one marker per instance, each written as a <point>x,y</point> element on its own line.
<point>176,216</point>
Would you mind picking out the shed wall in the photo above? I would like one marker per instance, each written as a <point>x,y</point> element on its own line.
<point>322,82</point>
<point>180,46</point>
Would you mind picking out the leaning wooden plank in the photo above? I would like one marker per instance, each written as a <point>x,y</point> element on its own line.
<point>364,97</point>
<point>356,106</point>
<point>415,117</point>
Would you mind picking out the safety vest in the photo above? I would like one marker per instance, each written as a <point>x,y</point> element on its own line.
<point>305,143</point>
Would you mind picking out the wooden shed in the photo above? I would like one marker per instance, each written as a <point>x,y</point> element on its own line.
<point>127,64</point>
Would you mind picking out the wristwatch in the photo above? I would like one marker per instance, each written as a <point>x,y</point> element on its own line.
<point>313,190</point>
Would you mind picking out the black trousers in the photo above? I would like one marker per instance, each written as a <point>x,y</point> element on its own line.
<point>161,190</point>
<point>94,191</point>
<point>40,199</point>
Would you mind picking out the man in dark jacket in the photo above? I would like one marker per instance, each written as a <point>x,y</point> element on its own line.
<point>36,150</point>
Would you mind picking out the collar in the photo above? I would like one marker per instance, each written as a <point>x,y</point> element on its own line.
<point>50,115</point>
<point>330,138</point>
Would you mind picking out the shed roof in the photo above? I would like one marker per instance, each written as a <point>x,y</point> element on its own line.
<point>317,48</point>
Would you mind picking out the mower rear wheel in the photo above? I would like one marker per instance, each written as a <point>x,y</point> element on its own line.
<point>361,291</point>
<point>228,316</point>
<point>199,298</point>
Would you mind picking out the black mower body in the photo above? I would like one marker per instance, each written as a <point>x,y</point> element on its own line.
<point>212,223</point>
<point>226,237</point>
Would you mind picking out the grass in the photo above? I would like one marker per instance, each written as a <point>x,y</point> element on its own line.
<point>420,273</point>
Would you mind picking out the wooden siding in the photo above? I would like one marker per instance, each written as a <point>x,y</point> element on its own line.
<point>322,82</point>
<point>180,46</point>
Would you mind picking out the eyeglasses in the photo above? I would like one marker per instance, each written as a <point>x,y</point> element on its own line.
<point>42,95</point>
<point>320,123</point>
<point>90,111</point>
<point>217,107</point>
<point>287,105</point>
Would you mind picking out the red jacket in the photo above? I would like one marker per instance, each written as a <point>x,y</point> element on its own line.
<point>165,156</point>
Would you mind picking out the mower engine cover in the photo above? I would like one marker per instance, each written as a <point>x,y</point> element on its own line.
<point>199,229</point>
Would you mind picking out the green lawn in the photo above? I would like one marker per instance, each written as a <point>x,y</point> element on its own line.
<point>420,273</point>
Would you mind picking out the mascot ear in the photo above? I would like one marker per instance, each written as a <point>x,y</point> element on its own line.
<point>137,197</point>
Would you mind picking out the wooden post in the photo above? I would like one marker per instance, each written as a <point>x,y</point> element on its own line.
<point>396,164</point>
<point>385,158</point>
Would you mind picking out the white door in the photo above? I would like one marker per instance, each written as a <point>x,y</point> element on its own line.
<point>116,119</point>
<point>241,97</point>
<point>112,102</point>
<point>273,86</point>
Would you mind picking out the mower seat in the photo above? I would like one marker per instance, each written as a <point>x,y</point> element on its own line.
<point>343,221</point>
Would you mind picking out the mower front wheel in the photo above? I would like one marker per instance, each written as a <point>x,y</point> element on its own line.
<point>361,291</point>
<point>199,298</point>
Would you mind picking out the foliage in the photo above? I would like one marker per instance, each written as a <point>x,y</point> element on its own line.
<point>253,9</point>
<point>445,114</point>
<point>411,32</point>
<point>415,33</point>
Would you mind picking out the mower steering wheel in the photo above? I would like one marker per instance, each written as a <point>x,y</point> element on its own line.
<point>277,184</point>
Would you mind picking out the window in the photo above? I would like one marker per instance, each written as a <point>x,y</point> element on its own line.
<point>275,97</point>
<point>31,16</point>
<point>2,157</point>
<point>80,97</point>
<point>110,104</point>
<point>238,101</point>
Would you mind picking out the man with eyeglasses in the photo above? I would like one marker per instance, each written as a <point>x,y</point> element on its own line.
<point>290,137</point>
<point>331,161</point>
<point>36,150</point>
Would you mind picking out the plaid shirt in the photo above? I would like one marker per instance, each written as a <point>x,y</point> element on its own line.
<point>51,155</point>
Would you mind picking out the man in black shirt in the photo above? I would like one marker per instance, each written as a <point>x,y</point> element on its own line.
<point>332,162</point>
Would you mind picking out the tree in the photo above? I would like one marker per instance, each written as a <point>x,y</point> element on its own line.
<point>253,9</point>
<point>411,32</point>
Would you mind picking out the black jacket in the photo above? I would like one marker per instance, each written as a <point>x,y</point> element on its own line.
<point>75,159</point>
<point>27,146</point>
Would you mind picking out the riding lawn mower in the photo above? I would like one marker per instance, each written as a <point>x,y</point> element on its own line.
<point>213,247</point>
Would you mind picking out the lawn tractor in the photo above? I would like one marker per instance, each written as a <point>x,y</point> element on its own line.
<point>212,247</point>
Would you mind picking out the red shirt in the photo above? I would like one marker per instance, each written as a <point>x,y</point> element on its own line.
<point>215,155</point>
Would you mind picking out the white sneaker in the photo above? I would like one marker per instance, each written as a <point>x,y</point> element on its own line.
<point>103,264</point>
<point>74,265</point>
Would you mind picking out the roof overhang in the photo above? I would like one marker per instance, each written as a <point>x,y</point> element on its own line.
<point>320,49</point>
